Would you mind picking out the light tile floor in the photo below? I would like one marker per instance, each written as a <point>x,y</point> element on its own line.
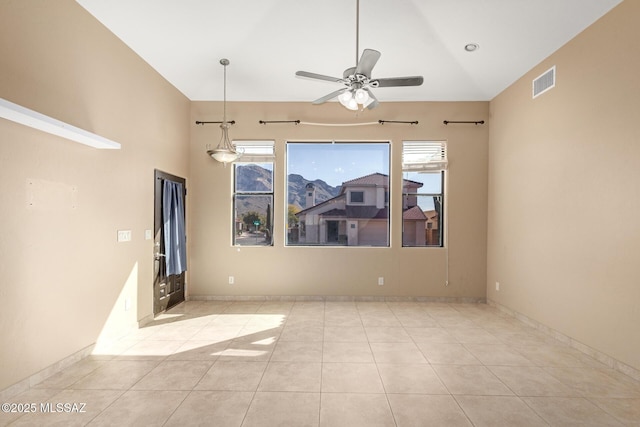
<point>335,364</point>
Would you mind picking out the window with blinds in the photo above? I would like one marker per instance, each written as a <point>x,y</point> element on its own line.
<point>424,156</point>
<point>423,169</point>
<point>255,151</point>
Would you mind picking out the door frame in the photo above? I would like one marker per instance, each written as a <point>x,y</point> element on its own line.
<point>175,284</point>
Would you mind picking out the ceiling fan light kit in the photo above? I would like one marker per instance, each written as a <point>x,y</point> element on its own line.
<point>225,152</point>
<point>347,100</point>
<point>357,80</point>
<point>354,98</point>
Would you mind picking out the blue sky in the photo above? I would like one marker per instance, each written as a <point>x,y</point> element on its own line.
<point>338,162</point>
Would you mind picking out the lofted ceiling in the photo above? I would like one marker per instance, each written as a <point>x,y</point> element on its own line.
<point>267,41</point>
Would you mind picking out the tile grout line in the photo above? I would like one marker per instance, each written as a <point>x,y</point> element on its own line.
<point>324,320</point>
<point>474,316</point>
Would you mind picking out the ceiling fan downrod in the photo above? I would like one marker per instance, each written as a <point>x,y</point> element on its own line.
<point>357,31</point>
<point>357,81</point>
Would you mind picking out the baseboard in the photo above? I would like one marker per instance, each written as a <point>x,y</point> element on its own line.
<point>145,321</point>
<point>571,342</point>
<point>338,298</point>
<point>37,378</point>
<point>45,373</point>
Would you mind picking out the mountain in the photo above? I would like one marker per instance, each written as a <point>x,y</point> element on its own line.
<point>297,190</point>
<point>252,178</point>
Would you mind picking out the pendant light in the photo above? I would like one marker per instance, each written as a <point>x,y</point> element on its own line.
<point>225,152</point>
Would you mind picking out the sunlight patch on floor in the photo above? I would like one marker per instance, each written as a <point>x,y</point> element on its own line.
<point>188,333</point>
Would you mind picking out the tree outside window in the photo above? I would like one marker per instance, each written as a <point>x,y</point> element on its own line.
<point>253,204</point>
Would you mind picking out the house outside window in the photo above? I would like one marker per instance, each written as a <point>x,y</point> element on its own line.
<point>339,193</point>
<point>253,194</point>
<point>423,167</point>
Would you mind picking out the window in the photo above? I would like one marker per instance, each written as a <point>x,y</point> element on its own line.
<point>423,166</point>
<point>253,194</point>
<point>357,196</point>
<point>338,193</point>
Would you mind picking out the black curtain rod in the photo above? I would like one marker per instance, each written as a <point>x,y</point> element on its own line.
<point>481,122</point>
<point>415,122</point>
<point>266,122</point>
<point>232,122</point>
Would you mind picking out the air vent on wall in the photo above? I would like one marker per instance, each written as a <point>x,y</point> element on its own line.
<point>544,82</point>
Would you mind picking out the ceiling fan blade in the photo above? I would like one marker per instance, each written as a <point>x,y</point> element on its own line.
<point>349,72</point>
<point>400,81</point>
<point>329,96</point>
<point>315,76</point>
<point>367,61</point>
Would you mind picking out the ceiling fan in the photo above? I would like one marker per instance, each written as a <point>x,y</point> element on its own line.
<point>357,80</point>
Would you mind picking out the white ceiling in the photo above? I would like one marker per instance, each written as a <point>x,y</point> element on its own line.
<point>267,41</point>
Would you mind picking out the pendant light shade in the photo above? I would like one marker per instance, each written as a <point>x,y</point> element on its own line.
<point>225,152</point>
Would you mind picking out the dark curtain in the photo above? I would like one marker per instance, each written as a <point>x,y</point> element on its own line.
<point>175,241</point>
<point>437,202</point>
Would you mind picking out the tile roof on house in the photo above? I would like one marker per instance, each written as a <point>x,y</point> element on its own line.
<point>357,212</point>
<point>334,213</point>
<point>414,214</point>
<point>367,212</point>
<point>333,200</point>
<point>432,214</point>
<point>372,179</point>
<point>378,179</point>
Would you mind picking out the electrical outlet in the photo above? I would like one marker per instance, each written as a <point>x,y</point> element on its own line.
<point>497,286</point>
<point>232,280</point>
<point>380,281</point>
<point>127,304</point>
<point>124,235</point>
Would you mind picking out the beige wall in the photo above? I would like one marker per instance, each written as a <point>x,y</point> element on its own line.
<point>64,277</point>
<point>563,237</point>
<point>564,191</point>
<point>281,270</point>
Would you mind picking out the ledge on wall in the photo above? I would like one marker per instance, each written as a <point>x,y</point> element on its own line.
<point>35,120</point>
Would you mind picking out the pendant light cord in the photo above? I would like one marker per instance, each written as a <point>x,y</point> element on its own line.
<point>224,96</point>
<point>224,62</point>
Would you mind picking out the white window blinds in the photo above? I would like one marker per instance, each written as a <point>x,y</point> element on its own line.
<point>424,156</point>
<point>255,151</point>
